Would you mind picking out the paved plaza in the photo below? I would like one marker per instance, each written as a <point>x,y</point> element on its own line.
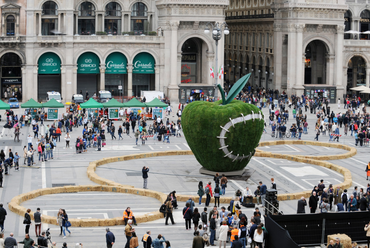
<point>179,173</point>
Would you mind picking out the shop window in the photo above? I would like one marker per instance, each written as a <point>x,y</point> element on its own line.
<point>48,26</point>
<point>86,9</point>
<point>347,23</point>
<point>365,24</point>
<point>112,22</point>
<point>10,25</point>
<point>49,8</point>
<point>139,19</point>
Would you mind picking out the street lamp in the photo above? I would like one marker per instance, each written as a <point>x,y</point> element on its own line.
<point>217,29</point>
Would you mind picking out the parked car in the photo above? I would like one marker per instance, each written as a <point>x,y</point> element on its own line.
<point>13,102</point>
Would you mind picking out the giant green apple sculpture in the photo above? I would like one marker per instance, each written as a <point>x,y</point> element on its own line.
<point>223,135</point>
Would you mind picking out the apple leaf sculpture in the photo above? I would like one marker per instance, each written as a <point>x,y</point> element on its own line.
<point>223,135</point>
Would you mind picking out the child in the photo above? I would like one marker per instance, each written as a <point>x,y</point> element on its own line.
<point>143,138</point>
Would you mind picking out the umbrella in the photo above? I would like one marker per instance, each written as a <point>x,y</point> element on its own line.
<point>359,88</point>
<point>68,103</point>
<point>134,103</point>
<point>113,103</point>
<point>31,104</point>
<point>367,91</point>
<point>4,105</point>
<point>53,104</point>
<point>156,103</point>
<point>352,32</point>
<point>91,103</point>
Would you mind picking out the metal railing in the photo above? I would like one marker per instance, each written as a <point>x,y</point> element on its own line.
<point>267,209</point>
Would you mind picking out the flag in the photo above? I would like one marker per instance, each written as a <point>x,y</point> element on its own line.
<point>212,74</point>
<point>221,72</point>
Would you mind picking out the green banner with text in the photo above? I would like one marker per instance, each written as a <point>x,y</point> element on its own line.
<point>52,114</point>
<point>113,113</point>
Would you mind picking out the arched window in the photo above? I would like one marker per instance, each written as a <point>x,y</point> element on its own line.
<point>49,22</point>
<point>49,8</point>
<point>139,18</point>
<point>10,25</point>
<point>365,24</point>
<point>86,19</point>
<point>112,22</point>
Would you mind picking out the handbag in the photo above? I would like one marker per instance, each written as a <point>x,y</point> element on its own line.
<point>68,224</point>
<point>104,144</point>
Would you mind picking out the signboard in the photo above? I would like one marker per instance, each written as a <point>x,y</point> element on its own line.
<point>93,112</point>
<point>52,114</point>
<point>11,80</point>
<point>33,112</point>
<point>136,111</point>
<point>113,113</point>
<point>88,63</point>
<point>49,63</point>
<point>116,63</point>
<point>157,112</point>
<point>143,64</point>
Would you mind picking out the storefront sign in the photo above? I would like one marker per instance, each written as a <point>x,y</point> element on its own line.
<point>158,112</point>
<point>88,63</point>
<point>116,63</point>
<point>49,63</point>
<point>11,80</point>
<point>33,112</point>
<point>113,113</point>
<point>189,58</point>
<point>136,111</point>
<point>143,64</point>
<point>52,114</point>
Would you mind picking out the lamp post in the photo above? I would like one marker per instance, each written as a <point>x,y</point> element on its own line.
<point>217,30</point>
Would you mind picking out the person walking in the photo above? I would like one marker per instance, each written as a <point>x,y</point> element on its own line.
<point>65,224</point>
<point>158,242</point>
<point>37,218</point>
<point>10,242</point>
<point>198,241</point>
<point>145,171</point>
<point>223,184</point>
<point>212,227</point>
<point>60,221</point>
<point>137,134</point>
<point>187,214</point>
<point>134,242</point>
<point>217,195</point>
<point>110,239</point>
<point>27,221</point>
<point>128,231</point>
<point>263,192</point>
<point>200,192</point>
<point>224,229</point>
<point>27,241</point>
<point>112,131</point>
<point>68,139</point>
<point>367,169</point>
<point>301,206</point>
<point>258,236</point>
<point>120,131</point>
<point>208,192</point>
<point>147,240</point>
<point>196,217</point>
<point>312,202</point>
<point>3,214</point>
<point>169,209</point>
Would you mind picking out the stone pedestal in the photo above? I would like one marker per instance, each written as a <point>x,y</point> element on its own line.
<point>227,174</point>
<point>344,239</point>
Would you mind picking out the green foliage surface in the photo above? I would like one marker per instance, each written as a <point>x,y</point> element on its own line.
<point>201,123</point>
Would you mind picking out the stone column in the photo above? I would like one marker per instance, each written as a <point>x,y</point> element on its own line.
<point>340,85</point>
<point>75,83</point>
<point>278,56</point>
<point>59,22</point>
<point>63,82</point>
<point>292,58</point>
<point>102,76</point>
<point>122,23</point>
<point>157,78</point>
<point>299,79</point>
<point>211,60</point>
<point>344,78</point>
<point>175,77</point>
<point>263,77</point>
<point>367,77</point>
<point>129,22</point>
<point>354,76</point>
<point>39,24</point>
<point>24,76</point>
<point>2,25</point>
<point>76,24</point>
<point>129,80</point>
<point>16,24</point>
<point>330,69</point>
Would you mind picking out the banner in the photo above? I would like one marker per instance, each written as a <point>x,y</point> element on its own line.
<point>52,114</point>
<point>136,111</point>
<point>113,113</point>
<point>158,112</point>
<point>93,112</point>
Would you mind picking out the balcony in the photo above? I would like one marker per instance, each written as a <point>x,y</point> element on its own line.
<point>358,43</point>
<point>118,38</point>
<point>249,17</point>
<point>12,39</point>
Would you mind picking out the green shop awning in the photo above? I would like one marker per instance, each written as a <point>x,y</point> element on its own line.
<point>53,104</point>
<point>134,103</point>
<point>49,63</point>
<point>113,103</point>
<point>116,63</point>
<point>4,105</point>
<point>91,103</point>
<point>156,103</point>
<point>31,104</point>
<point>88,63</point>
<point>143,64</point>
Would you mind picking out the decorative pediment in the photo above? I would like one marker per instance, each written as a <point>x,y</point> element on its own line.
<point>10,8</point>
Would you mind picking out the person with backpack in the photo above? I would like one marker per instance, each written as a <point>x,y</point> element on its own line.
<point>344,199</point>
<point>200,192</point>
<point>169,209</point>
<point>203,217</point>
<point>208,192</point>
<point>187,215</point>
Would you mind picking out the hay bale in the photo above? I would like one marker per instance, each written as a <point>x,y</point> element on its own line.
<point>344,239</point>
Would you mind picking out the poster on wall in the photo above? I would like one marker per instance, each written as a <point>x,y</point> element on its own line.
<point>136,111</point>
<point>93,112</point>
<point>52,114</point>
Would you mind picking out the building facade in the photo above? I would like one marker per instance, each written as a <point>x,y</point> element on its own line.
<point>124,46</point>
<point>300,46</point>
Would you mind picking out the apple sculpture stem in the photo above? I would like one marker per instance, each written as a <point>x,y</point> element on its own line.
<point>223,135</point>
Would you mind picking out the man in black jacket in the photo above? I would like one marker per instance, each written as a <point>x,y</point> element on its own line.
<point>147,240</point>
<point>301,206</point>
<point>10,242</point>
<point>110,239</point>
<point>212,227</point>
<point>312,202</point>
<point>42,241</point>
<point>363,203</point>
<point>2,216</point>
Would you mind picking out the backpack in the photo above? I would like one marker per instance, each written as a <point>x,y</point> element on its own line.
<point>78,144</point>
<point>206,190</point>
<point>204,217</point>
<point>344,199</point>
